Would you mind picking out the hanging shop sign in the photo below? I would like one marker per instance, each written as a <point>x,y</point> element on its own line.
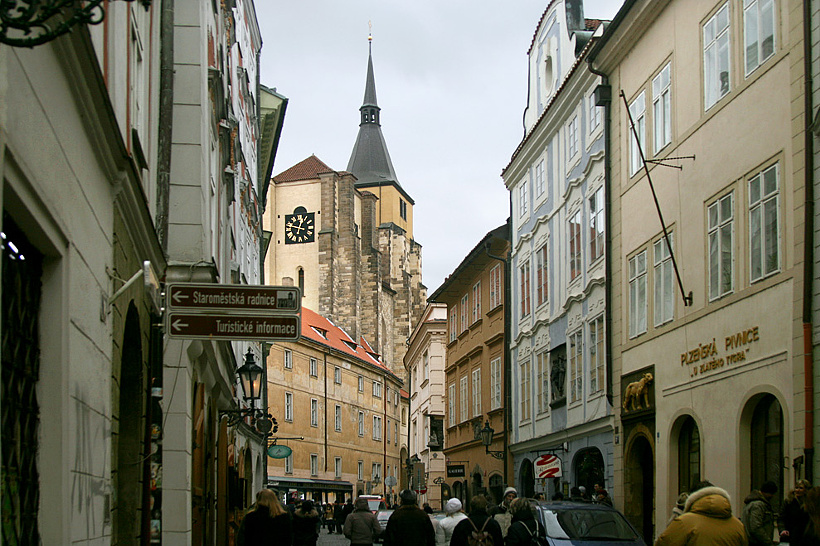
<point>456,471</point>
<point>548,466</point>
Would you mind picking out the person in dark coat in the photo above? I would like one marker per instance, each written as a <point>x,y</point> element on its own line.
<point>409,525</point>
<point>475,521</point>
<point>758,516</point>
<point>268,524</point>
<point>793,518</point>
<point>306,525</point>
<point>524,525</point>
<point>347,509</point>
<point>338,516</point>
<point>362,527</point>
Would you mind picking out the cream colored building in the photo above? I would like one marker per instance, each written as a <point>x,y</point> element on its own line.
<point>709,387</point>
<point>425,361</point>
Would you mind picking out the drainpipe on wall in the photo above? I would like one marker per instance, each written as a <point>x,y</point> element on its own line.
<point>166,121</point>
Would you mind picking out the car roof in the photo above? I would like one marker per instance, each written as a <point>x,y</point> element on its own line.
<point>575,505</point>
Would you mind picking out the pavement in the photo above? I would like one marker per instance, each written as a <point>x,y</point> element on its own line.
<point>334,539</point>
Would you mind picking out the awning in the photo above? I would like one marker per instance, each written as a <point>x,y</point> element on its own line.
<point>308,484</point>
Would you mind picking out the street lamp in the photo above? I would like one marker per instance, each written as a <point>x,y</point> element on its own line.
<point>487,439</point>
<point>250,377</point>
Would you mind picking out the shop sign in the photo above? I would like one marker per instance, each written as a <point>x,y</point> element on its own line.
<point>716,353</point>
<point>548,466</point>
<point>456,471</point>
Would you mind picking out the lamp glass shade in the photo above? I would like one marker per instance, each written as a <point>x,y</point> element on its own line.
<point>487,434</point>
<point>250,375</point>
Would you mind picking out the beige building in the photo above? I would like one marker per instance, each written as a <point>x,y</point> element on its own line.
<point>338,410</point>
<point>476,371</point>
<point>425,361</point>
<point>708,366</point>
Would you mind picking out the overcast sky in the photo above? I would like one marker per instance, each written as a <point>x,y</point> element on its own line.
<point>451,82</point>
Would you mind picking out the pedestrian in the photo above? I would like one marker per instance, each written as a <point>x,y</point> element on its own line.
<point>502,514</point>
<point>409,525</point>
<point>706,521</point>
<point>440,540</point>
<point>305,524</point>
<point>575,494</point>
<point>539,497</point>
<point>453,514</point>
<point>811,536</point>
<point>329,517</point>
<point>677,510</point>
<point>758,516</point>
<point>267,524</point>
<point>583,491</point>
<point>338,516</point>
<point>478,520</point>
<point>602,497</point>
<point>361,527</point>
<point>524,525</point>
<point>793,518</point>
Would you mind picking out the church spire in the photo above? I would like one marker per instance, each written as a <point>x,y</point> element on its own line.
<point>370,161</point>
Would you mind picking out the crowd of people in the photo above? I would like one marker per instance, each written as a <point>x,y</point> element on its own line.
<point>702,516</point>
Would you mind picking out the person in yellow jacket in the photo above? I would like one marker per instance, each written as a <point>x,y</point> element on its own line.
<point>707,520</point>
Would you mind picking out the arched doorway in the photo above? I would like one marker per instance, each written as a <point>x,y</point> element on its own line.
<point>526,479</point>
<point>497,487</point>
<point>766,450</point>
<point>588,469</point>
<point>639,486</point>
<point>458,492</point>
<point>476,482</point>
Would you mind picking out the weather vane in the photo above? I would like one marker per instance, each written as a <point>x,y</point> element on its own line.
<point>370,32</point>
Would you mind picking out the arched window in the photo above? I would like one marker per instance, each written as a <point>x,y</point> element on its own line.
<point>767,444</point>
<point>302,280</point>
<point>688,455</point>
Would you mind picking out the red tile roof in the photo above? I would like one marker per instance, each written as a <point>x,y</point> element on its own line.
<point>336,338</point>
<point>308,169</point>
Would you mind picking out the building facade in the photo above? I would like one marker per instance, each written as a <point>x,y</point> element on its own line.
<point>425,362</point>
<point>340,416</point>
<point>561,414</point>
<point>707,306</point>
<point>476,372</point>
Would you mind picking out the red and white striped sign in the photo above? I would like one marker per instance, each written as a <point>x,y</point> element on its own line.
<point>548,466</point>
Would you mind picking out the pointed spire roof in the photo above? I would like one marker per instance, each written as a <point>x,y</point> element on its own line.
<point>370,161</point>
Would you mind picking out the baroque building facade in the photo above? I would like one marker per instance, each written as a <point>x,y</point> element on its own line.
<point>561,415</point>
<point>709,356</point>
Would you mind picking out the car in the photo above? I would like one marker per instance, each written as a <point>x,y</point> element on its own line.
<point>585,524</point>
<point>374,502</point>
<point>382,516</point>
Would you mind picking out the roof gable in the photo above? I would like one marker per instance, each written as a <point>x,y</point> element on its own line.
<point>308,169</point>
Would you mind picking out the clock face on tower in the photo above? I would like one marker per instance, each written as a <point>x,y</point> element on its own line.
<point>300,227</point>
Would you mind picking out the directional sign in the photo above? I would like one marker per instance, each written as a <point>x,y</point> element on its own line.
<point>548,466</point>
<point>234,326</point>
<point>240,298</point>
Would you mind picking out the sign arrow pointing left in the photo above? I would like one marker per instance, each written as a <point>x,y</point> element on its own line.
<point>178,324</point>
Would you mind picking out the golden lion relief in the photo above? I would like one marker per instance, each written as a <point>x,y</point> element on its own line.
<point>637,391</point>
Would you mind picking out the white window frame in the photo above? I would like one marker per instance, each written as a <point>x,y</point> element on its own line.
<point>464,312</point>
<point>361,383</point>
<point>764,204</point>
<point>496,286</point>
<point>720,239</point>
<point>574,231</point>
<point>360,471</point>
<point>395,434</point>
<point>377,389</point>
<point>637,294</point>
<point>426,365</point>
<point>638,111</point>
<point>463,400</point>
<point>754,12</point>
<point>337,467</point>
<point>476,392</point>
<point>664,281</point>
<point>377,427</point>
<point>717,52</point>
<point>451,403</point>
<point>594,113</point>
<point>314,367</point>
<point>288,359</point>
<point>314,464</point>
<point>495,383</point>
<point>289,464</point>
<point>597,355</point>
<point>453,323</point>
<point>361,423</point>
<point>289,406</point>
<point>476,308</point>
<point>597,225</point>
<point>523,198</point>
<point>542,387</point>
<point>538,175</point>
<point>337,375</point>
<point>576,366</point>
<point>662,108</point>
<point>338,418</point>
<point>524,394</point>
<point>573,139</point>
<point>375,471</point>
<point>524,289</point>
<point>541,276</point>
<point>314,412</point>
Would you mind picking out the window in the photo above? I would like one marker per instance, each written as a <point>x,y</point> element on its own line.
<point>541,275</point>
<point>495,383</point>
<point>464,304</point>
<point>721,246</point>
<point>314,412</point>
<point>395,434</point>
<point>597,228</point>
<point>716,56</point>
<point>637,294</point>
<point>758,27</point>
<point>376,472</point>
<point>576,366</point>
<point>453,321</point>
<point>288,359</point>
<point>664,281</point>
<point>361,384</point>
<point>524,272</point>
<point>525,390</point>
<point>542,361</point>
<point>662,108</point>
<point>314,367</point>
<point>337,375</point>
<point>539,178</point>
<point>764,230</point>
<point>288,406</point>
<point>338,419</point>
<point>314,464</point>
<point>522,199</point>
<point>387,430</point>
<point>360,471</point>
<point>572,138</point>
<point>361,423</point>
<point>477,392</point>
<point>463,400</point>
<point>377,389</point>
<point>638,111</point>
<point>337,467</point>
<point>403,209</point>
<point>594,113</point>
<point>596,355</point>
<point>575,245</point>
<point>289,464</point>
<point>688,455</point>
<point>426,360</point>
<point>496,284</point>
<point>476,314</point>
<point>377,427</point>
<point>451,403</point>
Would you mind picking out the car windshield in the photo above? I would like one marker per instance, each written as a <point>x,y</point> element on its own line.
<point>586,524</point>
<point>375,504</point>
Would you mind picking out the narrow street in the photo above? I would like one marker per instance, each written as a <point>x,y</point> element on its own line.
<point>335,539</point>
